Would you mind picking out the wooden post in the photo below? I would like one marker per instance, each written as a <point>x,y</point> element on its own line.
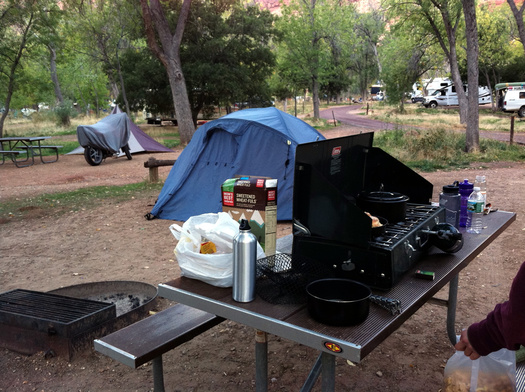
<point>154,174</point>
<point>153,165</point>
<point>367,108</point>
<point>511,130</point>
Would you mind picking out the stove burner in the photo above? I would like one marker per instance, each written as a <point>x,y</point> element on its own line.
<point>394,233</point>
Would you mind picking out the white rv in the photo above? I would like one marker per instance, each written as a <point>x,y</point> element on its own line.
<point>511,97</point>
<point>429,85</point>
<point>447,96</point>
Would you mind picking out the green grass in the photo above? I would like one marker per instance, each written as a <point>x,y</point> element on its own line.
<point>80,199</point>
<point>442,149</point>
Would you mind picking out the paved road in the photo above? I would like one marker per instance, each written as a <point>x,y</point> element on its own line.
<point>353,116</point>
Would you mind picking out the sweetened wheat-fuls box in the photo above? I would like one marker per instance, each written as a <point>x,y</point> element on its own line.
<point>254,199</point>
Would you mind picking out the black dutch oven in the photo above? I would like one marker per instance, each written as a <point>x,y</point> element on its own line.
<point>338,302</point>
<point>390,205</point>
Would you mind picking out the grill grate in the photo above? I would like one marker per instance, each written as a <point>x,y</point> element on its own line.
<point>416,214</point>
<point>39,311</point>
<point>48,306</point>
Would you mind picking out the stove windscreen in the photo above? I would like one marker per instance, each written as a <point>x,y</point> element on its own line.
<point>330,174</point>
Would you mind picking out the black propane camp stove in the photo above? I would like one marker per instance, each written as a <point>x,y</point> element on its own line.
<point>330,227</point>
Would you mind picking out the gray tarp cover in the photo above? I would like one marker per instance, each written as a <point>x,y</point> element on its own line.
<point>111,133</point>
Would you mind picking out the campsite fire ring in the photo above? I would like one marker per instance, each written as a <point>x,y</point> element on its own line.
<point>62,322</point>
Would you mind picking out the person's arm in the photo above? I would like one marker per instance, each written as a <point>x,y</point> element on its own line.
<point>504,327</point>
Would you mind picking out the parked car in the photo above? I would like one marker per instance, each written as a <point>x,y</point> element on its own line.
<point>380,96</point>
<point>514,98</point>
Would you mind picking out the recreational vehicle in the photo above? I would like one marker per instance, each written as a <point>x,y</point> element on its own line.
<point>447,96</point>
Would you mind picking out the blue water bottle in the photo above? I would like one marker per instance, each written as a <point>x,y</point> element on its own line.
<point>465,189</point>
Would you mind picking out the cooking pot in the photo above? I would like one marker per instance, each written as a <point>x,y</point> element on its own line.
<point>338,301</point>
<point>390,205</point>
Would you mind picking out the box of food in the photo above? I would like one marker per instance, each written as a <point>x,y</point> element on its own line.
<point>254,199</point>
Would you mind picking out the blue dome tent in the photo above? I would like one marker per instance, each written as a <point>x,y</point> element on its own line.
<point>255,142</point>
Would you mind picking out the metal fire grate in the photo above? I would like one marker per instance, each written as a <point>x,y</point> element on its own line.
<point>51,313</point>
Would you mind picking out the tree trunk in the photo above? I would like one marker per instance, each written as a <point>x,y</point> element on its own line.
<point>54,76</point>
<point>169,54</point>
<point>471,30</point>
<point>518,15</point>
<point>123,89</point>
<point>315,96</point>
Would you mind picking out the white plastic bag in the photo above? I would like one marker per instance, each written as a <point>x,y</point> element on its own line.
<point>494,372</point>
<point>216,268</point>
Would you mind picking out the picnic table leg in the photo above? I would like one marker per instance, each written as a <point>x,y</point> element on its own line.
<point>451,308</point>
<point>261,361</point>
<point>313,376</point>
<point>158,374</point>
<point>328,372</point>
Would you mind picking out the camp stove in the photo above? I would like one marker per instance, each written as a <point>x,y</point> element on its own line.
<point>330,227</point>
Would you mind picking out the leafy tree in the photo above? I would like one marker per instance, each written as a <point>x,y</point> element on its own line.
<point>166,46</point>
<point>145,78</point>
<point>444,20</point>
<point>518,17</point>
<point>494,45</point>
<point>226,54</point>
<point>315,34</point>
<point>104,29</point>
<point>405,60</point>
<point>20,22</point>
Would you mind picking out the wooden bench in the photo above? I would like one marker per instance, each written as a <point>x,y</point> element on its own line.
<point>147,339</point>
<point>40,148</point>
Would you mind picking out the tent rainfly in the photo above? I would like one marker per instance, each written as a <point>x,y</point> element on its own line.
<point>254,142</point>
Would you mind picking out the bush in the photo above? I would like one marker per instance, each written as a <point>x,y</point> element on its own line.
<point>64,112</point>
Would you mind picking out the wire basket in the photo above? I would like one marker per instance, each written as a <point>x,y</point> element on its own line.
<point>282,278</point>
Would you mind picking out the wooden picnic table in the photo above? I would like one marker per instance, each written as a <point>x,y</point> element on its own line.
<point>28,147</point>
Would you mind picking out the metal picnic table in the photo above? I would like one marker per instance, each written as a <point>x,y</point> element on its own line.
<point>29,147</point>
<point>353,343</point>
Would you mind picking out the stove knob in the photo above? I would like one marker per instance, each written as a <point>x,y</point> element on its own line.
<point>409,249</point>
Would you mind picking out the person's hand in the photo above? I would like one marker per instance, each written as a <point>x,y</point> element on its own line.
<point>464,345</point>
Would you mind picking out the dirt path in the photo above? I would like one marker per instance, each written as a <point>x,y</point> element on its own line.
<point>350,116</point>
<point>112,241</point>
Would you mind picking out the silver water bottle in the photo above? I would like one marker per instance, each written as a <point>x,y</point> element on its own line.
<point>244,263</point>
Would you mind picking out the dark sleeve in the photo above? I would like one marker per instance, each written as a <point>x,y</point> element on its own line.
<point>504,327</point>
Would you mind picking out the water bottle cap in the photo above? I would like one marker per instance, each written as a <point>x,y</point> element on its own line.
<point>465,185</point>
<point>476,189</point>
<point>244,225</point>
<point>452,189</point>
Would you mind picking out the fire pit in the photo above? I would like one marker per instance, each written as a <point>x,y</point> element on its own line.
<point>66,320</point>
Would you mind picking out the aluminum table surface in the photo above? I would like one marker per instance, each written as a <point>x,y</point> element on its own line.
<point>354,343</point>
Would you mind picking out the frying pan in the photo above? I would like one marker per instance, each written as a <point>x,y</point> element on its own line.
<point>343,302</point>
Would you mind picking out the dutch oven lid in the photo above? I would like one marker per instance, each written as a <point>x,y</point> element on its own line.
<point>383,196</point>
